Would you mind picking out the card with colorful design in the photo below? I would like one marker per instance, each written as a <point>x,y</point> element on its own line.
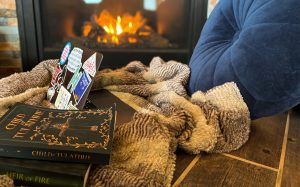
<point>73,77</point>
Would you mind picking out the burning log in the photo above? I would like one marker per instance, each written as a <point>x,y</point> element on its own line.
<point>124,32</point>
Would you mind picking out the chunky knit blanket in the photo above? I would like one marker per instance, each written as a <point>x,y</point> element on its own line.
<point>167,118</point>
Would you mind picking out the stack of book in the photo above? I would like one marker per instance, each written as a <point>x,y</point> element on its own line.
<point>49,147</point>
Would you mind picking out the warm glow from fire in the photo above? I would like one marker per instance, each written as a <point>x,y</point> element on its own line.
<point>115,27</point>
<point>87,29</point>
<point>119,26</point>
<point>115,39</point>
<point>132,40</point>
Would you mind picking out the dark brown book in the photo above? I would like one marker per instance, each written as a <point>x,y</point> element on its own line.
<point>44,173</point>
<point>58,135</point>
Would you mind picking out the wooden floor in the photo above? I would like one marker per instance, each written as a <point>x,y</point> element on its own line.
<point>271,157</point>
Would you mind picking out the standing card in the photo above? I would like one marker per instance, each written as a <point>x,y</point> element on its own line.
<point>82,86</point>
<point>73,77</point>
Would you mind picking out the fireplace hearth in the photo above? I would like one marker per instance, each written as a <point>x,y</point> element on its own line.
<point>123,30</point>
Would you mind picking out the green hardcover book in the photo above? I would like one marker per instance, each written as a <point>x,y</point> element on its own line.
<point>57,135</point>
<point>44,173</point>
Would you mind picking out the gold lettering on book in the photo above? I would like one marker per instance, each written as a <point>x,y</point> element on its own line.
<point>60,155</point>
<point>18,120</point>
<point>15,175</point>
<point>48,154</point>
<point>21,133</point>
<point>41,180</point>
<point>42,154</point>
<point>27,177</point>
<point>34,118</point>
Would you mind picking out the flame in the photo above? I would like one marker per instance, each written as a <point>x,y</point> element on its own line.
<point>119,26</point>
<point>115,39</point>
<point>115,27</point>
<point>132,40</point>
<point>87,29</point>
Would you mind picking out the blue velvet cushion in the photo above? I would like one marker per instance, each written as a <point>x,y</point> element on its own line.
<point>255,43</point>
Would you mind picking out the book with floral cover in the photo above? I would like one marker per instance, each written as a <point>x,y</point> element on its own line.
<point>57,135</point>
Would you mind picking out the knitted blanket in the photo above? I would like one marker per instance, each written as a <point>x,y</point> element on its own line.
<point>166,118</point>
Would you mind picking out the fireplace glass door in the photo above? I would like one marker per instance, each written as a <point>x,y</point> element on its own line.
<point>115,24</point>
<point>123,30</point>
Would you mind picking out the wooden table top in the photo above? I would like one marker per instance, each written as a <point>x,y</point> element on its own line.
<point>271,157</point>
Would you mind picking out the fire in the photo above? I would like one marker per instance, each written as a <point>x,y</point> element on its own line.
<point>115,28</point>
<point>119,26</point>
<point>87,29</point>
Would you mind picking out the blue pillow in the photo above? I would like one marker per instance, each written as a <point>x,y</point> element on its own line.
<point>256,44</point>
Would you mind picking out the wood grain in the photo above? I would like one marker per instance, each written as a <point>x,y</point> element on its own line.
<point>265,142</point>
<point>182,161</point>
<point>217,170</point>
<point>291,170</point>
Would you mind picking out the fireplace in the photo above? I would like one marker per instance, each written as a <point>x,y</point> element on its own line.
<point>123,30</point>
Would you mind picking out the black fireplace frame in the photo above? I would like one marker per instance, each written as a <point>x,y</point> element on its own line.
<point>32,49</point>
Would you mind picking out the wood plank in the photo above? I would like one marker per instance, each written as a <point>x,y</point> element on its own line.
<point>283,152</point>
<point>217,170</point>
<point>182,161</point>
<point>291,170</point>
<point>265,142</point>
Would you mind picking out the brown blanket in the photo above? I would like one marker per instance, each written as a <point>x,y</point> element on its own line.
<point>166,118</point>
